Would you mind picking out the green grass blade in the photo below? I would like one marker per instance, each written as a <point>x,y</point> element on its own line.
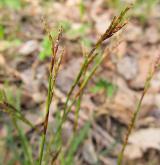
<point>76,141</point>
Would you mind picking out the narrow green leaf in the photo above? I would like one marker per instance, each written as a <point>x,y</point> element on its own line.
<point>76,141</point>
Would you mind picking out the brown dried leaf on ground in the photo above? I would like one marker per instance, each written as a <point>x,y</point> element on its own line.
<point>89,152</point>
<point>28,47</point>
<point>143,140</point>
<point>152,35</point>
<point>133,33</point>
<point>123,103</point>
<point>2,60</point>
<point>102,22</point>
<point>128,67</point>
<point>67,74</point>
<point>139,80</point>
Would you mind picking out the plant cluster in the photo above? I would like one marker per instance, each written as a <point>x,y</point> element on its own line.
<point>50,150</point>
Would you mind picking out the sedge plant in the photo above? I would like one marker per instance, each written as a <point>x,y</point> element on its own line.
<point>83,76</point>
<point>151,73</point>
<point>74,96</point>
<point>6,104</point>
<point>54,67</point>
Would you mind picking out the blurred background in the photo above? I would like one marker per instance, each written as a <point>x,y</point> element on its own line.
<point>110,97</point>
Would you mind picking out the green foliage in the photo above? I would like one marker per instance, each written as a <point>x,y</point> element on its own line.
<point>2,32</point>
<point>16,42</point>
<point>46,47</point>
<point>2,95</point>
<point>70,32</point>
<point>54,68</point>
<point>118,4</point>
<point>148,3</point>
<point>78,32</point>
<point>86,42</point>
<point>81,80</point>
<point>15,115</point>
<point>106,86</point>
<point>75,143</point>
<point>143,7</point>
<point>66,25</point>
<point>9,44</point>
<point>13,4</point>
<point>81,8</point>
<point>11,99</point>
<point>10,143</point>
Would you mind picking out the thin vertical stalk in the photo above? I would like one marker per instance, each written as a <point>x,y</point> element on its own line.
<point>116,25</point>
<point>75,83</point>
<point>83,85</point>
<point>25,144</point>
<point>64,117</point>
<point>77,112</point>
<point>46,120</point>
<point>54,68</point>
<point>134,117</point>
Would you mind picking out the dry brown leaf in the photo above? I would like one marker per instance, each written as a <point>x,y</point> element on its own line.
<point>89,152</point>
<point>28,47</point>
<point>152,35</point>
<point>2,60</point>
<point>128,67</point>
<point>141,141</point>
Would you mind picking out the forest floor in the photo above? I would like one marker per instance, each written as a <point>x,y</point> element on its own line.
<point>112,94</point>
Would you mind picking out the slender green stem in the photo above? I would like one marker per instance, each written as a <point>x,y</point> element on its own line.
<point>88,59</point>
<point>49,99</point>
<point>43,139</point>
<point>25,144</point>
<point>83,85</point>
<point>115,26</point>
<point>120,157</point>
<point>52,80</point>
<point>75,83</point>
<point>88,77</point>
<point>133,120</point>
<point>77,112</point>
